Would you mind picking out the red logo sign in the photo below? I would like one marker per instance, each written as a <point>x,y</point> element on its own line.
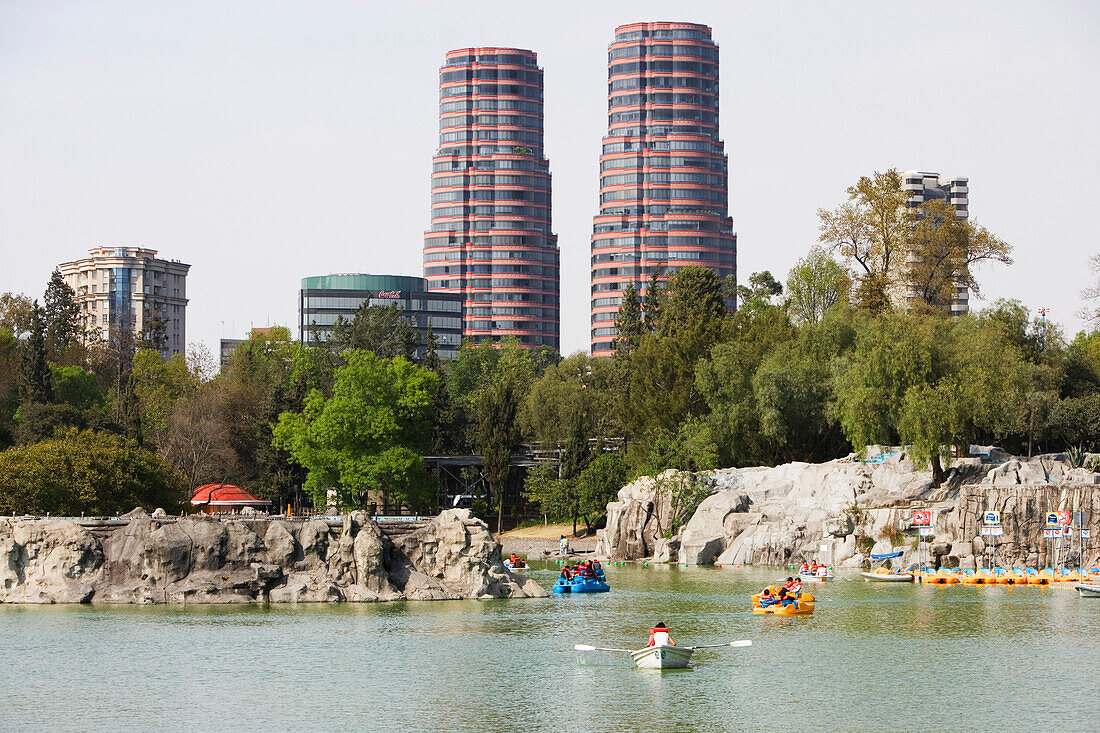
<point>394,294</point>
<point>922,518</point>
<point>1063,517</point>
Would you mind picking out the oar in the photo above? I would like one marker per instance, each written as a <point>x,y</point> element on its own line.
<point>590,648</point>
<point>743,642</point>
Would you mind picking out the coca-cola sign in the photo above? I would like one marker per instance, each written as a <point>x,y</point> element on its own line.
<point>391,294</point>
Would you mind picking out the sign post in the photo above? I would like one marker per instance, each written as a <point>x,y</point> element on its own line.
<point>922,519</point>
<point>992,528</point>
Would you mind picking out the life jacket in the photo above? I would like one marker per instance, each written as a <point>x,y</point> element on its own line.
<point>803,568</point>
<point>660,637</point>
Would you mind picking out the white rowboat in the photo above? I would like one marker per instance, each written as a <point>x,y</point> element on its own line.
<point>662,657</point>
<point>889,577</point>
<point>809,578</point>
<point>1088,591</point>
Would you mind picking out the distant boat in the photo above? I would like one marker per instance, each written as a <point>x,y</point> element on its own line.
<point>885,576</point>
<point>1088,591</point>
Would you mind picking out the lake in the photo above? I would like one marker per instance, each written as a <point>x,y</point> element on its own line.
<point>874,656</point>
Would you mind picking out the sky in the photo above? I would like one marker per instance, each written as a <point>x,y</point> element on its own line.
<point>263,142</point>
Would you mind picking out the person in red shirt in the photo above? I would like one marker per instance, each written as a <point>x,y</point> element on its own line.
<point>659,636</point>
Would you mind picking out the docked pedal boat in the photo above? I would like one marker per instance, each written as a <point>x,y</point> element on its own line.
<point>662,657</point>
<point>889,577</point>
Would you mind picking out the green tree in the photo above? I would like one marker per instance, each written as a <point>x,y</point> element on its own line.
<point>382,329</point>
<point>870,229</point>
<point>159,384</point>
<point>814,285</point>
<point>628,323</point>
<point>9,385</point>
<point>943,251</point>
<point>762,288</point>
<point>62,317</point>
<point>86,473</point>
<point>369,436</point>
<point>35,381</point>
<point>654,299</point>
<point>15,313</point>
<point>498,437</point>
<point>599,483</point>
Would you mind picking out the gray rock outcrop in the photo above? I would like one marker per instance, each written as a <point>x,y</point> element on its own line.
<point>203,560</point>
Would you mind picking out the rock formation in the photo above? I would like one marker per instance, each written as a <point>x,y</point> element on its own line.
<point>200,559</point>
<point>834,511</point>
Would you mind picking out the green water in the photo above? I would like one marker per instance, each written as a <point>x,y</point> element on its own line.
<point>875,656</point>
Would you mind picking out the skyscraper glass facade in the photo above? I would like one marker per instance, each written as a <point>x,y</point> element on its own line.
<point>663,182</point>
<point>490,237</point>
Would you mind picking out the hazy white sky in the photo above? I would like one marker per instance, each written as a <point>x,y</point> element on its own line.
<point>266,141</point>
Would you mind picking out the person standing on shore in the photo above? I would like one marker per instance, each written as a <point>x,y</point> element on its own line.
<point>563,546</point>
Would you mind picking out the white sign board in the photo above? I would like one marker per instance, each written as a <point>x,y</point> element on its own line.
<point>925,531</point>
<point>1086,534</point>
<point>1051,534</point>
<point>992,531</point>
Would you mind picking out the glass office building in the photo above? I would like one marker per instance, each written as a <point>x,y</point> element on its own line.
<point>490,240</point>
<point>326,298</point>
<point>663,182</point>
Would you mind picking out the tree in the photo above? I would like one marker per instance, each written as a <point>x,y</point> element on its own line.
<point>761,289</point>
<point>628,323</point>
<point>598,484</point>
<point>158,385</point>
<point>1091,294</point>
<point>870,228</point>
<point>654,300</point>
<point>383,330</point>
<point>62,317</point>
<point>369,436</point>
<point>86,472</point>
<point>35,381</point>
<point>814,285</point>
<point>431,358</point>
<point>9,386</point>
<point>15,313</point>
<point>498,437</point>
<point>943,251</point>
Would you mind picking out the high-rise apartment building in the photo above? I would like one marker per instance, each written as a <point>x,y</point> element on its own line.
<point>922,186</point>
<point>130,289</point>
<point>490,237</point>
<point>663,182</point>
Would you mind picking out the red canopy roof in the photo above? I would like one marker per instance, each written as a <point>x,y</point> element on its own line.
<point>224,495</point>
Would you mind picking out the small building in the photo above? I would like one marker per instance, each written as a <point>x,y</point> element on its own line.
<point>225,498</point>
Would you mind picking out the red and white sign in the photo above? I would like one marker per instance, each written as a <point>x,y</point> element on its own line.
<point>922,518</point>
<point>390,294</point>
<point>1064,517</point>
<point>925,532</point>
<point>1052,534</point>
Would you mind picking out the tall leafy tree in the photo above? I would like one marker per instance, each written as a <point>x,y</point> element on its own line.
<point>383,330</point>
<point>498,437</point>
<point>814,285</point>
<point>369,435</point>
<point>628,323</point>
<point>62,317</point>
<point>15,313</point>
<point>35,379</point>
<point>654,300</point>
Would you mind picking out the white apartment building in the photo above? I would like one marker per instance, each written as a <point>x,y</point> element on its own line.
<point>921,186</point>
<point>129,288</point>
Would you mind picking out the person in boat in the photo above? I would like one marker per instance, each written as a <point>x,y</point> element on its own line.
<point>596,566</point>
<point>660,636</point>
<point>767,599</point>
<point>803,568</point>
<point>589,572</point>
<point>822,571</point>
<point>785,598</point>
<point>796,588</point>
<point>789,584</point>
<point>566,574</point>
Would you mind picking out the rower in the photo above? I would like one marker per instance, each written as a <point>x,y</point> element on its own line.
<point>589,571</point>
<point>565,574</point>
<point>659,636</point>
<point>784,598</point>
<point>789,585</point>
<point>596,566</point>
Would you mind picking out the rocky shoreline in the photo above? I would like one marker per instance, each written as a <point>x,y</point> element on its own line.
<point>199,559</point>
<point>844,510</point>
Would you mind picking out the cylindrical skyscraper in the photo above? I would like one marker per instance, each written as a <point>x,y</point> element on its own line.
<point>663,192</point>
<point>490,238</point>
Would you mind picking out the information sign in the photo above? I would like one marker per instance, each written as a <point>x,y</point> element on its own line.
<point>922,517</point>
<point>992,531</point>
<point>1064,517</point>
<point>925,531</point>
<point>992,519</point>
<point>1086,534</point>
<point>1052,519</point>
<point>1052,534</point>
